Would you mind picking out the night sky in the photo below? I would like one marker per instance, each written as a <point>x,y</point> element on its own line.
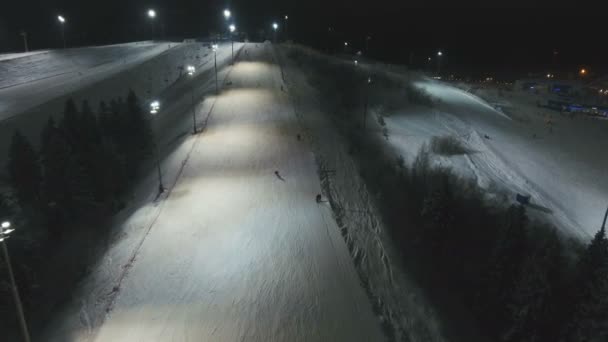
<point>472,34</point>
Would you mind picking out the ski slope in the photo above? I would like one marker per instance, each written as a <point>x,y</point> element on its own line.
<point>94,74</point>
<point>32,79</point>
<point>562,168</point>
<point>236,252</point>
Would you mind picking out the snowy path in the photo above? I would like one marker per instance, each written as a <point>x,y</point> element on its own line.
<point>237,253</point>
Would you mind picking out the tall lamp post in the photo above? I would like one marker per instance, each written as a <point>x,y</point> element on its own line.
<point>439,54</point>
<point>154,109</point>
<point>232,29</point>
<point>5,229</point>
<point>24,35</point>
<point>152,16</point>
<point>217,91</point>
<point>62,23</point>
<point>369,83</point>
<point>275,27</point>
<point>191,70</point>
<point>286,22</point>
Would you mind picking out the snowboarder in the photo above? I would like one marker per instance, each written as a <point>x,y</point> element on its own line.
<point>318,198</point>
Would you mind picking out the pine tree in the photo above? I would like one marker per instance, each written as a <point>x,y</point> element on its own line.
<point>590,318</point>
<point>437,211</point>
<point>24,171</point>
<point>64,187</point>
<point>70,122</point>
<point>532,305</point>
<point>503,269</point>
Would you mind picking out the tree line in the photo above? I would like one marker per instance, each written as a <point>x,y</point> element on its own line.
<point>86,163</point>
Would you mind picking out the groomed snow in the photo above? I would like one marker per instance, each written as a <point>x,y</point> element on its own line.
<point>562,167</point>
<point>237,253</point>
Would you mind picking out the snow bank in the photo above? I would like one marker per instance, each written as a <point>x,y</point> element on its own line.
<point>515,151</point>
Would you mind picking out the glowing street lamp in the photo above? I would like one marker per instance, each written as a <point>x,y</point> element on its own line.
<point>583,72</point>
<point>154,109</point>
<point>439,54</point>
<point>5,230</point>
<point>152,15</point>
<point>275,27</point>
<point>215,47</point>
<point>232,28</point>
<point>227,14</point>
<point>191,70</point>
<point>62,23</point>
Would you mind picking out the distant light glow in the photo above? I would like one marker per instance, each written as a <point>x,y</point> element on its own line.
<point>191,69</point>
<point>6,224</point>
<point>286,17</point>
<point>227,13</point>
<point>214,46</point>
<point>345,43</point>
<point>439,53</point>
<point>232,28</point>
<point>151,13</point>
<point>356,62</point>
<point>275,26</point>
<point>154,107</point>
<point>583,71</point>
<point>61,19</point>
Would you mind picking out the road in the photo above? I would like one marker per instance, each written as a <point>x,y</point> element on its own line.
<point>237,253</point>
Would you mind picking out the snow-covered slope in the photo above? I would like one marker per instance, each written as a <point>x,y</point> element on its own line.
<point>562,167</point>
<point>146,68</point>
<point>237,253</point>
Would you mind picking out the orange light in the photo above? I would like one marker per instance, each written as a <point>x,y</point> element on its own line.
<point>583,71</point>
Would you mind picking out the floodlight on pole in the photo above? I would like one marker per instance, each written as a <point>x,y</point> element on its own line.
<point>439,53</point>
<point>215,47</point>
<point>227,13</point>
<point>151,13</point>
<point>5,229</point>
<point>275,26</point>
<point>191,70</point>
<point>154,109</point>
<point>62,23</point>
<point>232,28</point>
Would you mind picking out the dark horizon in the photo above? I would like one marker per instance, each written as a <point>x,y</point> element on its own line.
<point>515,37</point>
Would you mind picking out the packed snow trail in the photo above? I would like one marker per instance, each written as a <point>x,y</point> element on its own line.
<point>238,254</point>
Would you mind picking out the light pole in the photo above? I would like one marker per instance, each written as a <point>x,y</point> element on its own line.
<point>152,16</point>
<point>439,54</point>
<point>62,23</point>
<point>286,21</point>
<point>227,15</point>
<point>191,70</point>
<point>217,91</point>
<point>154,109</point>
<point>232,29</point>
<point>24,35</point>
<point>5,229</point>
<point>369,82</point>
<point>275,27</point>
<point>367,39</point>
